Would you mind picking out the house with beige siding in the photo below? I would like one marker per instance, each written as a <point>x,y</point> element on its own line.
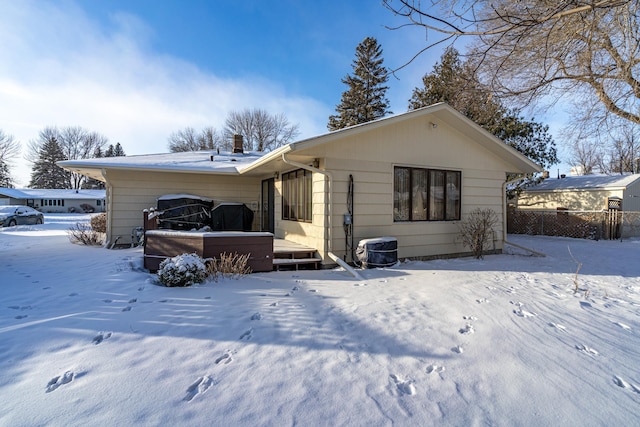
<point>583,193</point>
<point>55,201</point>
<point>413,176</point>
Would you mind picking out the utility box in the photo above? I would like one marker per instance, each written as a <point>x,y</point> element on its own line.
<point>378,252</point>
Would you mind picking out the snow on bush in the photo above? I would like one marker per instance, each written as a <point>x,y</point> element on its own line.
<point>182,270</point>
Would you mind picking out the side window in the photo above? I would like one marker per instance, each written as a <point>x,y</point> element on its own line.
<point>426,194</point>
<point>297,196</point>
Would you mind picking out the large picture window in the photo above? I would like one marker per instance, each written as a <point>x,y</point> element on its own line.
<point>296,195</point>
<point>426,194</point>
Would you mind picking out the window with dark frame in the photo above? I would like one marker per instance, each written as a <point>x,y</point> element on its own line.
<point>297,195</point>
<point>426,194</point>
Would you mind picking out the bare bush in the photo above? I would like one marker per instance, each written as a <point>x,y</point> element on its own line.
<point>87,208</point>
<point>476,231</point>
<point>99,223</point>
<point>84,234</point>
<point>232,266</point>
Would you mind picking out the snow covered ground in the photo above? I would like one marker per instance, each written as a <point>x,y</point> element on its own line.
<point>88,338</point>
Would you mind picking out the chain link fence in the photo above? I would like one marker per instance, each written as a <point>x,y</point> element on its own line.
<point>595,225</point>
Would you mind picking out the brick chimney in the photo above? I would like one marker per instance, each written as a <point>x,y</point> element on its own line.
<point>237,143</point>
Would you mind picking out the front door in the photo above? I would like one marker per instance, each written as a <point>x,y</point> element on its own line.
<point>267,222</point>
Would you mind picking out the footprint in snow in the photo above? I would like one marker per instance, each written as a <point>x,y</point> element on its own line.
<point>127,308</point>
<point>21,316</point>
<point>225,358</point>
<point>468,329</point>
<point>523,313</point>
<point>587,350</point>
<point>482,300</point>
<point>132,300</point>
<point>558,326</point>
<point>623,326</point>
<point>458,349</point>
<point>624,384</point>
<point>56,382</point>
<point>200,386</point>
<point>101,337</point>
<point>246,336</point>
<point>257,316</point>
<point>22,308</point>
<point>435,369</point>
<point>472,318</point>
<point>404,386</point>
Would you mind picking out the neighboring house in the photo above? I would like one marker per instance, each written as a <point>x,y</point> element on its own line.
<point>583,193</point>
<point>412,176</point>
<point>52,201</point>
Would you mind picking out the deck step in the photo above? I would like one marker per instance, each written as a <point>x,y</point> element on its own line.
<point>295,262</point>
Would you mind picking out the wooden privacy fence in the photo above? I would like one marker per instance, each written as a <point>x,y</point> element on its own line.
<point>610,224</point>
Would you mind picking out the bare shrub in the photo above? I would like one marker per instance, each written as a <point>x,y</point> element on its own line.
<point>84,234</point>
<point>232,266</point>
<point>476,231</point>
<point>87,208</point>
<point>99,223</point>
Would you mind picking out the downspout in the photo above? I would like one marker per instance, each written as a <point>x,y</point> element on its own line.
<point>504,221</point>
<point>109,199</point>
<point>330,195</point>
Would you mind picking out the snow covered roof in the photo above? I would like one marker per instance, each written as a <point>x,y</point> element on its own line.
<point>586,182</point>
<point>260,162</point>
<point>34,193</point>
<point>191,161</point>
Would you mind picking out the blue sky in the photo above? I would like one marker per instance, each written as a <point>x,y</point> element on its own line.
<point>138,70</point>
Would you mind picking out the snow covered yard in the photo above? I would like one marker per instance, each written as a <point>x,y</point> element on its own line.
<point>88,338</point>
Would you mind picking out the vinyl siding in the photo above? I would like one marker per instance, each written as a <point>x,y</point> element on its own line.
<point>134,191</point>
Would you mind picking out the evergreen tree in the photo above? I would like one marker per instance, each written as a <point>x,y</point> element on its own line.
<point>114,151</point>
<point>110,151</point>
<point>97,153</point>
<point>91,183</point>
<point>9,148</point>
<point>5,175</point>
<point>46,174</point>
<point>118,151</point>
<point>365,99</point>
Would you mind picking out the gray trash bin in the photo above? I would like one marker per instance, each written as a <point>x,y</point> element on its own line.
<point>378,252</point>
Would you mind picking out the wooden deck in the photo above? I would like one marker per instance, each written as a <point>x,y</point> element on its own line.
<point>266,253</point>
<point>293,255</point>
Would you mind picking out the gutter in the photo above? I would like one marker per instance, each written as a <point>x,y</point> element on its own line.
<point>504,221</point>
<point>329,176</point>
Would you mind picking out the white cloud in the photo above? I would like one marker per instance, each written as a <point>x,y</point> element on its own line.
<point>60,68</point>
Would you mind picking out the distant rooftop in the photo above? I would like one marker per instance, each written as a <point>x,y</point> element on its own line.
<point>586,182</point>
<point>35,193</point>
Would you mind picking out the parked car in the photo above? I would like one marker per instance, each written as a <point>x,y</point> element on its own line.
<point>19,215</point>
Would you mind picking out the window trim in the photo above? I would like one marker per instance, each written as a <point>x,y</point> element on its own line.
<point>297,195</point>
<point>446,216</point>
